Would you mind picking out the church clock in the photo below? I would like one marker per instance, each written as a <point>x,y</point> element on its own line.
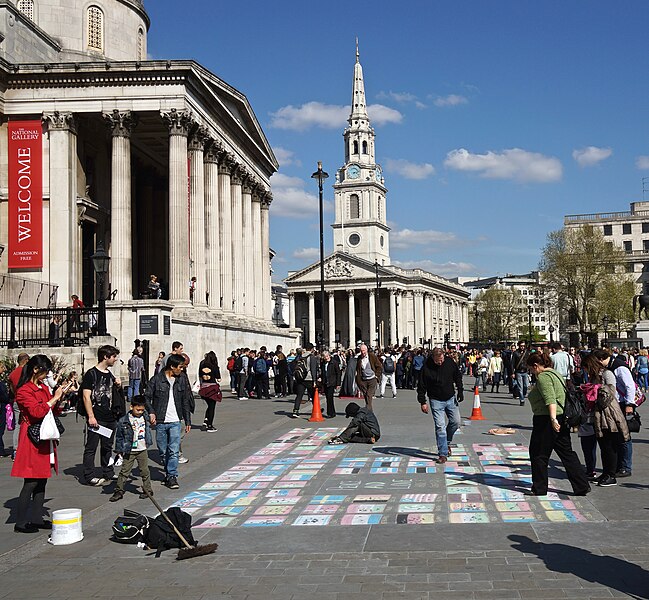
<point>353,172</point>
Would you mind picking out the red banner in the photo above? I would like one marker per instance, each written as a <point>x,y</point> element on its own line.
<point>25,195</point>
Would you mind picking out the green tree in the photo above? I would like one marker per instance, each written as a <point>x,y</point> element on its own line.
<point>500,313</point>
<point>615,300</point>
<point>578,264</point>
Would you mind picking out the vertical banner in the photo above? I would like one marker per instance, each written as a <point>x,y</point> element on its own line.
<point>25,146</point>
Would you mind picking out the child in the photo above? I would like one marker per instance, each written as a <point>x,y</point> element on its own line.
<point>132,438</point>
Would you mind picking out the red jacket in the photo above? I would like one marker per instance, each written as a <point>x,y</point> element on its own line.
<point>33,461</point>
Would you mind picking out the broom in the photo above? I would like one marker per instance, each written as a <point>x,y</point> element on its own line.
<point>188,551</point>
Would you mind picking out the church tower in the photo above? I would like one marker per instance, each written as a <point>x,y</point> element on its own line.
<point>360,226</point>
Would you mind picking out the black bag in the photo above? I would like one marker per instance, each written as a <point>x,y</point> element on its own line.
<point>633,422</point>
<point>161,536</point>
<point>301,369</point>
<point>34,431</point>
<point>118,402</point>
<point>130,528</point>
<point>574,406</point>
<point>388,365</point>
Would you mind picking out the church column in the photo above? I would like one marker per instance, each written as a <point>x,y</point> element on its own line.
<point>291,309</point>
<point>248,279</point>
<point>393,316</point>
<point>371,340</point>
<point>197,214</point>
<point>212,237</point>
<point>225,230</point>
<point>178,123</point>
<point>426,328</point>
<point>237,246</point>
<point>311,296</point>
<point>256,256</point>
<point>265,256</point>
<point>332,319</point>
<point>121,125</point>
<point>352,318</point>
<point>64,228</point>
<point>465,317</point>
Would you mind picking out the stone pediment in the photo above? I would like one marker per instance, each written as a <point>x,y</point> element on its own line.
<point>339,267</point>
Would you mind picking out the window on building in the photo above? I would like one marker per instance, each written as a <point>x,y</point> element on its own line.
<point>364,147</point>
<point>354,207</point>
<point>355,147</point>
<point>630,267</point>
<point>645,245</point>
<point>378,208</point>
<point>27,8</point>
<point>525,292</point>
<point>608,229</point>
<point>140,44</point>
<point>95,28</point>
<point>645,228</point>
<point>628,247</point>
<point>626,228</point>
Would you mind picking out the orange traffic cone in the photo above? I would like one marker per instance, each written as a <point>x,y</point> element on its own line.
<point>316,413</point>
<point>476,413</point>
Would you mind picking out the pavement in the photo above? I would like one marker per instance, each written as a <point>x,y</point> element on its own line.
<point>295,518</point>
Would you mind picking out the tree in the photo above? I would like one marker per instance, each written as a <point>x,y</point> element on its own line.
<point>578,264</point>
<point>615,300</point>
<point>500,312</point>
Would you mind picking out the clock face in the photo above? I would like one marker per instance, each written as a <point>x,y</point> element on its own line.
<point>353,172</point>
<point>379,173</point>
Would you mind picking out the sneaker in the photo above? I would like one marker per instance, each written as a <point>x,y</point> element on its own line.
<point>211,429</point>
<point>172,483</point>
<point>144,495</point>
<point>592,476</point>
<point>119,461</point>
<point>28,528</point>
<point>111,461</point>
<point>623,473</point>
<point>521,402</point>
<point>607,481</point>
<point>295,414</point>
<point>116,496</point>
<point>335,441</point>
<point>243,397</point>
<point>394,395</point>
<point>97,481</point>
<point>441,460</point>
<point>203,427</point>
<point>182,459</point>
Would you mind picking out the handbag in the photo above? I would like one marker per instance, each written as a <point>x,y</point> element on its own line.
<point>36,432</point>
<point>633,422</point>
<point>9,417</point>
<point>196,387</point>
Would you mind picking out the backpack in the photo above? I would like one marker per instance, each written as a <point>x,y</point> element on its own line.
<point>260,366</point>
<point>130,528</point>
<point>388,365</point>
<point>574,406</point>
<point>238,364</point>
<point>301,369</point>
<point>161,536</point>
<point>231,363</point>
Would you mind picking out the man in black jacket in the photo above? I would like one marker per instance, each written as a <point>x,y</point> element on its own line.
<point>439,374</point>
<point>362,429</point>
<point>330,380</point>
<point>168,402</point>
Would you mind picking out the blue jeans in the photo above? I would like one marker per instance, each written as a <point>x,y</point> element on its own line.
<point>643,380</point>
<point>167,436</point>
<point>133,388</point>
<point>523,381</point>
<point>444,432</point>
<point>625,456</point>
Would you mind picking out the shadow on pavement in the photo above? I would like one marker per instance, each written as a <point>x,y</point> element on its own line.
<point>613,573</point>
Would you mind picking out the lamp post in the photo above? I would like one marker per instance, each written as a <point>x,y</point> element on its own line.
<point>605,322</point>
<point>551,330</point>
<point>378,317</point>
<point>529,323</point>
<point>320,176</point>
<point>100,262</point>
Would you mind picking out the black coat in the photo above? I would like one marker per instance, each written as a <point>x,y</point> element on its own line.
<point>331,376</point>
<point>437,381</point>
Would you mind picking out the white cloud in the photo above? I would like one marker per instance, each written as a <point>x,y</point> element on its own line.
<point>407,238</point>
<point>450,100</point>
<point>513,163</point>
<point>591,155</point>
<point>327,116</point>
<point>306,253</point>
<point>642,163</point>
<point>408,169</point>
<point>285,157</point>
<point>447,269</point>
<point>290,199</point>
<point>401,97</point>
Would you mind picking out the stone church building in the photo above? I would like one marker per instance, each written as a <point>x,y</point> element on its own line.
<point>368,298</point>
<point>161,161</point>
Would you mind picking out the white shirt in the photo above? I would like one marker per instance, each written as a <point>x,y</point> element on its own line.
<point>171,416</point>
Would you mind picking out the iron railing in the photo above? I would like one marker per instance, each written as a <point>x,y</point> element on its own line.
<point>605,216</point>
<point>29,328</point>
<point>17,291</point>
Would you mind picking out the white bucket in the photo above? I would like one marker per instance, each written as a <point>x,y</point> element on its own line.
<point>66,527</point>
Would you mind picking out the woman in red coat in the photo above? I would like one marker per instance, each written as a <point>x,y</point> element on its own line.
<point>34,462</point>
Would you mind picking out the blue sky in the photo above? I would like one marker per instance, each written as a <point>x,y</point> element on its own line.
<point>493,119</point>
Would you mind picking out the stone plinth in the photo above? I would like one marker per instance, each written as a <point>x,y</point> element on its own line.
<point>642,332</point>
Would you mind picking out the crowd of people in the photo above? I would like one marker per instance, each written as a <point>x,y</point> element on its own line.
<point>611,383</point>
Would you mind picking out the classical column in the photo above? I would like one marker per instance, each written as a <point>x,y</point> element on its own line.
<point>225,231</point>
<point>311,316</point>
<point>178,123</point>
<point>351,318</point>
<point>393,316</point>
<point>212,234</point>
<point>256,257</point>
<point>372,308</point>
<point>291,309</point>
<point>121,124</point>
<point>196,146</point>
<point>419,315</point>
<point>65,263</point>
<point>332,319</point>
<point>248,277</point>
<point>237,239</point>
<point>265,256</point>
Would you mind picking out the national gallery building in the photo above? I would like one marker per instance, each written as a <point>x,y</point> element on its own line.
<point>161,162</point>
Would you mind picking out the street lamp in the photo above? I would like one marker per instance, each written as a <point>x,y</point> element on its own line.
<point>100,262</point>
<point>551,330</point>
<point>529,323</point>
<point>321,175</point>
<point>378,317</point>
<point>605,322</point>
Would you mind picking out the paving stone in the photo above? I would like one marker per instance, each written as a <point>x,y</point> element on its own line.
<point>470,586</point>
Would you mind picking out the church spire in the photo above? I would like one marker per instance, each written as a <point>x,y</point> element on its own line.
<point>359,107</point>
